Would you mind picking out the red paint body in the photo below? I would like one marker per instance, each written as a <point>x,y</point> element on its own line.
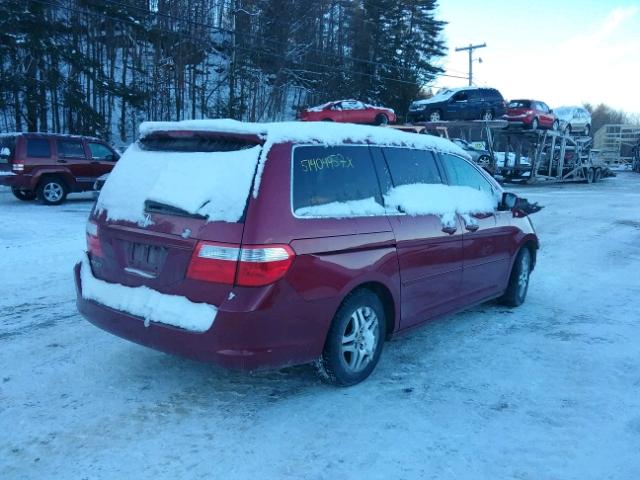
<point>78,172</point>
<point>420,271</point>
<point>523,112</point>
<point>351,111</point>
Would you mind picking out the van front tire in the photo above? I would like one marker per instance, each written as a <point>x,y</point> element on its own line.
<point>354,342</point>
<point>518,285</point>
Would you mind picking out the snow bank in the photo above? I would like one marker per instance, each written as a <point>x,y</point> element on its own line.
<point>213,184</point>
<point>148,304</point>
<point>442,200</point>
<point>352,208</point>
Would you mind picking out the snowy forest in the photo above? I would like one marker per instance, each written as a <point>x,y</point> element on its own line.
<point>99,67</point>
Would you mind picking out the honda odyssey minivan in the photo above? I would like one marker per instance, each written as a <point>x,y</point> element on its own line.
<point>263,245</point>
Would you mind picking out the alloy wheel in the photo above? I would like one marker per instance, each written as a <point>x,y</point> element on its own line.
<point>52,192</point>
<point>360,339</point>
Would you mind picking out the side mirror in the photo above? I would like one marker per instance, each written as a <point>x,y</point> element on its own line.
<point>521,207</point>
<point>551,110</point>
<point>509,200</point>
<point>5,152</point>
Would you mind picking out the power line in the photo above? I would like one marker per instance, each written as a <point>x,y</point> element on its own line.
<point>254,37</point>
<point>250,50</point>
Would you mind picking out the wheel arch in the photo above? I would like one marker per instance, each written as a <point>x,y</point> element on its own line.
<point>64,175</point>
<point>383,292</point>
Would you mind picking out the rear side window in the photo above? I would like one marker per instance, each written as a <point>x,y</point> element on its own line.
<point>38,147</point>
<point>462,173</point>
<point>325,175</point>
<point>408,166</point>
<point>70,149</point>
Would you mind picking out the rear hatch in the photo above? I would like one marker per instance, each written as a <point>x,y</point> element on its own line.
<point>7,152</point>
<point>168,192</point>
<point>518,107</point>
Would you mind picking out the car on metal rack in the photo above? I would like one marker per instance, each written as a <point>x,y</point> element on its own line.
<point>348,111</point>
<point>532,114</point>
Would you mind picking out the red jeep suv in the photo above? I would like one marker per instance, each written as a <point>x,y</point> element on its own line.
<point>263,245</point>
<point>50,166</point>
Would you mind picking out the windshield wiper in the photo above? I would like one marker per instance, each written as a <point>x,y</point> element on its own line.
<point>151,206</point>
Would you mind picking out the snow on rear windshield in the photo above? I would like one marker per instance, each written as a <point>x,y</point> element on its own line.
<point>520,104</point>
<point>215,185</point>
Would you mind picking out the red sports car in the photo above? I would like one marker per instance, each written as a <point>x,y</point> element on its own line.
<point>351,111</point>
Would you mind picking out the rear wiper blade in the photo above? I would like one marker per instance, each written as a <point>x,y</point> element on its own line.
<point>151,206</point>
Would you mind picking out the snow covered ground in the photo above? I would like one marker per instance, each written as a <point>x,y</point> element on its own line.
<point>547,391</point>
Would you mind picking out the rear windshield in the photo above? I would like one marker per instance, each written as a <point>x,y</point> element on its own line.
<point>194,143</point>
<point>520,104</point>
<point>326,179</point>
<point>202,177</point>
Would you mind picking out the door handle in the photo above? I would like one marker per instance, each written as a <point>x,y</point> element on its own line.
<point>62,161</point>
<point>472,227</point>
<point>449,230</point>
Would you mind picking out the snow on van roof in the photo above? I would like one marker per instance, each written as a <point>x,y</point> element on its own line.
<point>328,133</point>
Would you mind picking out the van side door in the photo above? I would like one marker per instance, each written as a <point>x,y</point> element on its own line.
<point>429,253</point>
<point>486,243</point>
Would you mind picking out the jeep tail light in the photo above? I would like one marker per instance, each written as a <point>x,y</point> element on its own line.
<point>18,167</point>
<point>251,265</point>
<point>93,241</point>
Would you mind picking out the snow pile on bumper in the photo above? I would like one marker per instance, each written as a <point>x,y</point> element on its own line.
<point>146,303</point>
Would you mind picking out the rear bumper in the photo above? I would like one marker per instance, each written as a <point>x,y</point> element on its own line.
<point>273,336</point>
<point>13,180</point>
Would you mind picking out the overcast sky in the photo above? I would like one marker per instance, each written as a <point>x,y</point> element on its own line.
<point>564,52</point>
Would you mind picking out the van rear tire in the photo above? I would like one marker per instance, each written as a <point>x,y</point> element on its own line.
<point>355,339</point>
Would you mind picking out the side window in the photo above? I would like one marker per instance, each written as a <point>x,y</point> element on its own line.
<point>462,173</point>
<point>38,147</point>
<point>326,175</point>
<point>460,97</point>
<point>408,166</point>
<point>101,152</point>
<point>70,149</point>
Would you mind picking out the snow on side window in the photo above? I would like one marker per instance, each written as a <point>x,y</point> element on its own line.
<point>215,185</point>
<point>438,199</point>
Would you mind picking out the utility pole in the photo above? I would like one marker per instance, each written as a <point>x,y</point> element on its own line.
<point>471,48</point>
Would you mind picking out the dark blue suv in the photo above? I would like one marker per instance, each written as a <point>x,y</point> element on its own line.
<point>467,103</point>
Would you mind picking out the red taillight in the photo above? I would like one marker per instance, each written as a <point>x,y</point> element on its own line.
<point>264,264</point>
<point>251,265</point>
<point>214,262</point>
<point>93,241</point>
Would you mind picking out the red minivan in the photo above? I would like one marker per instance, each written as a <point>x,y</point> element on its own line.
<point>263,245</point>
<point>50,166</point>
